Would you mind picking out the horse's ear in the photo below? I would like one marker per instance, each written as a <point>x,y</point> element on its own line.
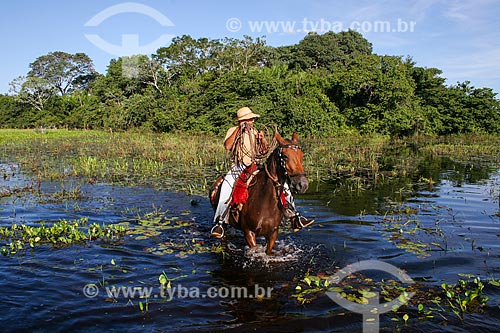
<point>278,137</point>
<point>295,138</point>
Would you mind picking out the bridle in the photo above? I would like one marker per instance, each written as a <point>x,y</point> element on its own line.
<point>282,160</point>
<point>283,164</point>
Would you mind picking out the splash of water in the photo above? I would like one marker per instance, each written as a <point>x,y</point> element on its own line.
<point>283,252</point>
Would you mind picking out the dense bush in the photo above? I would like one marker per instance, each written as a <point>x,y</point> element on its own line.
<point>324,85</point>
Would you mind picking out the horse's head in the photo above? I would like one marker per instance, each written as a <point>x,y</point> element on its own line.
<point>291,159</point>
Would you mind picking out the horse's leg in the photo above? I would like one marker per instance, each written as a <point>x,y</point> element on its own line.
<point>270,242</point>
<point>250,237</point>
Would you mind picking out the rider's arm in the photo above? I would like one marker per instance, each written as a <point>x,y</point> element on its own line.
<point>230,137</point>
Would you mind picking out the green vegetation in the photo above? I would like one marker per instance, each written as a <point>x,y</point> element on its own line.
<point>177,162</point>
<point>322,86</point>
<point>465,296</point>
<point>190,163</point>
<point>58,234</point>
<point>155,223</point>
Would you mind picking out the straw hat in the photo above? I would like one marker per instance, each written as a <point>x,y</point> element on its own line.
<point>245,113</point>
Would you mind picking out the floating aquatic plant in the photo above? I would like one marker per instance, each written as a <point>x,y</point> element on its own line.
<point>58,234</point>
<point>427,302</point>
<point>157,223</point>
<point>403,227</point>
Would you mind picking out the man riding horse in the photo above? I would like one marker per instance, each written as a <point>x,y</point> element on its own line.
<point>247,147</point>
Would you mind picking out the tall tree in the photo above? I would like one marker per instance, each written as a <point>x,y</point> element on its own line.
<point>63,71</point>
<point>33,91</point>
<point>315,50</point>
<point>187,57</point>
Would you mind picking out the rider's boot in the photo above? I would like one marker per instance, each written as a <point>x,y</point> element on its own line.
<point>298,222</point>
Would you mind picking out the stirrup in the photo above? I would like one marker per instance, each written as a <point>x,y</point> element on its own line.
<point>217,231</point>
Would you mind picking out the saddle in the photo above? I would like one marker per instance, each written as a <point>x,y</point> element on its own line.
<point>239,196</point>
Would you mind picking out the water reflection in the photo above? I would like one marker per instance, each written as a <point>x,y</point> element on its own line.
<point>430,173</point>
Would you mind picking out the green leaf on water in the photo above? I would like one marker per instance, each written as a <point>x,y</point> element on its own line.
<point>163,279</point>
<point>368,294</point>
<point>307,280</point>
<point>495,283</point>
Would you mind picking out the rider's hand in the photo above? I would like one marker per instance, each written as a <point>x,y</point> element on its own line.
<point>246,125</point>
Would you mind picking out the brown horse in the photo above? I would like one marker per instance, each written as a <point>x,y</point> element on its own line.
<point>262,214</point>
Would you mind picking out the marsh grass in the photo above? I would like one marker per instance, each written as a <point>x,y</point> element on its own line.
<point>475,148</point>
<point>357,162</point>
<point>190,163</point>
<point>174,162</point>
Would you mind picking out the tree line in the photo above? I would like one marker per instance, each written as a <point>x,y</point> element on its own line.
<point>324,85</point>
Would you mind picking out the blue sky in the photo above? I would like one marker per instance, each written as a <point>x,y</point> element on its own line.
<point>459,37</point>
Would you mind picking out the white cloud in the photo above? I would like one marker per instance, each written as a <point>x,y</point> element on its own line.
<point>470,10</point>
<point>481,68</point>
<point>421,8</point>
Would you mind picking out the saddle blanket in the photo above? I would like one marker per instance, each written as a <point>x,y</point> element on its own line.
<point>240,190</point>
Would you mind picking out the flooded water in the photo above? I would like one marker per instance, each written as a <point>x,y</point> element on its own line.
<point>436,227</point>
